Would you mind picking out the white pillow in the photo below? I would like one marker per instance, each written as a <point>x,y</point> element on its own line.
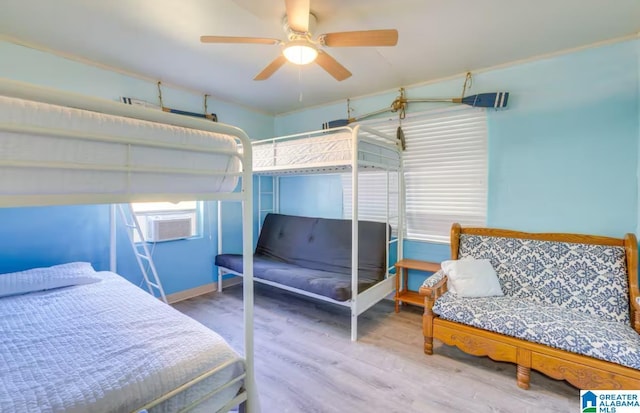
<point>472,278</point>
<point>38,279</point>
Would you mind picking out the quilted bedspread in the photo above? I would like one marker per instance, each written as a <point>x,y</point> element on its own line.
<point>104,347</point>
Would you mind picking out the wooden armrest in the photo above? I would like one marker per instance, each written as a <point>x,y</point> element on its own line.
<point>635,309</point>
<point>431,294</point>
<point>436,290</point>
<point>635,293</point>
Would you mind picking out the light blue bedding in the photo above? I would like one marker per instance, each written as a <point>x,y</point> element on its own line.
<point>106,346</point>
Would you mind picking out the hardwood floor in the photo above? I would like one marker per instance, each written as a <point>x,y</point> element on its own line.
<point>305,361</point>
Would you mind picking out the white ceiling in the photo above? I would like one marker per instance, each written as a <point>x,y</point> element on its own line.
<point>437,38</point>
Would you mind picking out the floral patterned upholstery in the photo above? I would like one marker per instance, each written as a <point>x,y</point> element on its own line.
<point>548,324</point>
<point>569,296</point>
<point>585,278</point>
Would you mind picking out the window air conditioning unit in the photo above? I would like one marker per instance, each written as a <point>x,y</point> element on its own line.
<point>168,227</point>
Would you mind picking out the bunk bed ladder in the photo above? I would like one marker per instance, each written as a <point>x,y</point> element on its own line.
<point>141,251</point>
<point>398,240</point>
<point>270,191</point>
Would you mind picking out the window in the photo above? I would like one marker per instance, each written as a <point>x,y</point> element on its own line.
<point>445,167</point>
<point>145,210</point>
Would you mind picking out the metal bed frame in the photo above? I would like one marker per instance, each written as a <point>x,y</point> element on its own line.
<point>357,161</point>
<point>30,92</point>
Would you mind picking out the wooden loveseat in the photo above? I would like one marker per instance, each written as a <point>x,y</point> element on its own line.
<point>570,306</point>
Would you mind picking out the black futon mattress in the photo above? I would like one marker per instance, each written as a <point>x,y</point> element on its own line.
<point>314,254</point>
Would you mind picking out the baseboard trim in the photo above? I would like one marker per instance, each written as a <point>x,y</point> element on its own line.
<point>192,292</point>
<point>201,290</point>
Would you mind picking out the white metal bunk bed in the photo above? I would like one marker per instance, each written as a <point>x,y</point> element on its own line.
<point>60,148</point>
<point>340,150</point>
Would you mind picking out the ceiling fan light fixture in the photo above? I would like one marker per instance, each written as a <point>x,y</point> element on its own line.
<point>300,52</point>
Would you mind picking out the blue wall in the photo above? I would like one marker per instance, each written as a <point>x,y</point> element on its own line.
<point>50,235</point>
<point>44,236</point>
<point>312,196</point>
<point>563,157</point>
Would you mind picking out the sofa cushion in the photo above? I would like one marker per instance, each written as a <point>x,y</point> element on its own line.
<point>324,244</point>
<point>588,278</point>
<point>328,284</point>
<point>260,264</point>
<point>551,325</point>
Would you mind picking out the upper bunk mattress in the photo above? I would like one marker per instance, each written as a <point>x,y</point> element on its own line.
<point>106,155</point>
<point>325,152</point>
<point>106,346</point>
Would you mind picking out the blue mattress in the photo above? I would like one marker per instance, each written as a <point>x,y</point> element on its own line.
<point>334,285</point>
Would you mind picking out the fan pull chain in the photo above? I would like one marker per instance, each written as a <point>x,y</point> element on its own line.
<point>300,83</point>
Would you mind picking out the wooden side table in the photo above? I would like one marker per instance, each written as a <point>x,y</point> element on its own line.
<point>403,294</point>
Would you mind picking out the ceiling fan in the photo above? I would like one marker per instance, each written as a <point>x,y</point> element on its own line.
<point>301,49</point>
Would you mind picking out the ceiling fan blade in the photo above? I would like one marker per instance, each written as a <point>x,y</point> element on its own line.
<point>361,38</point>
<point>332,66</point>
<point>231,39</point>
<point>298,15</point>
<point>271,68</point>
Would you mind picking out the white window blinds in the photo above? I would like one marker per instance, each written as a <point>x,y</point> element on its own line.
<point>445,167</point>
<point>373,199</point>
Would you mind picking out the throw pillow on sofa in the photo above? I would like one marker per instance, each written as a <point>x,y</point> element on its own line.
<point>472,278</point>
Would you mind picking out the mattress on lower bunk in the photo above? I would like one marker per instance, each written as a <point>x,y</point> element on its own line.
<point>106,346</point>
<point>318,151</point>
<point>314,254</point>
<point>334,285</point>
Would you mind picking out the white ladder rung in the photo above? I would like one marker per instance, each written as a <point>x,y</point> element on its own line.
<point>154,282</point>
